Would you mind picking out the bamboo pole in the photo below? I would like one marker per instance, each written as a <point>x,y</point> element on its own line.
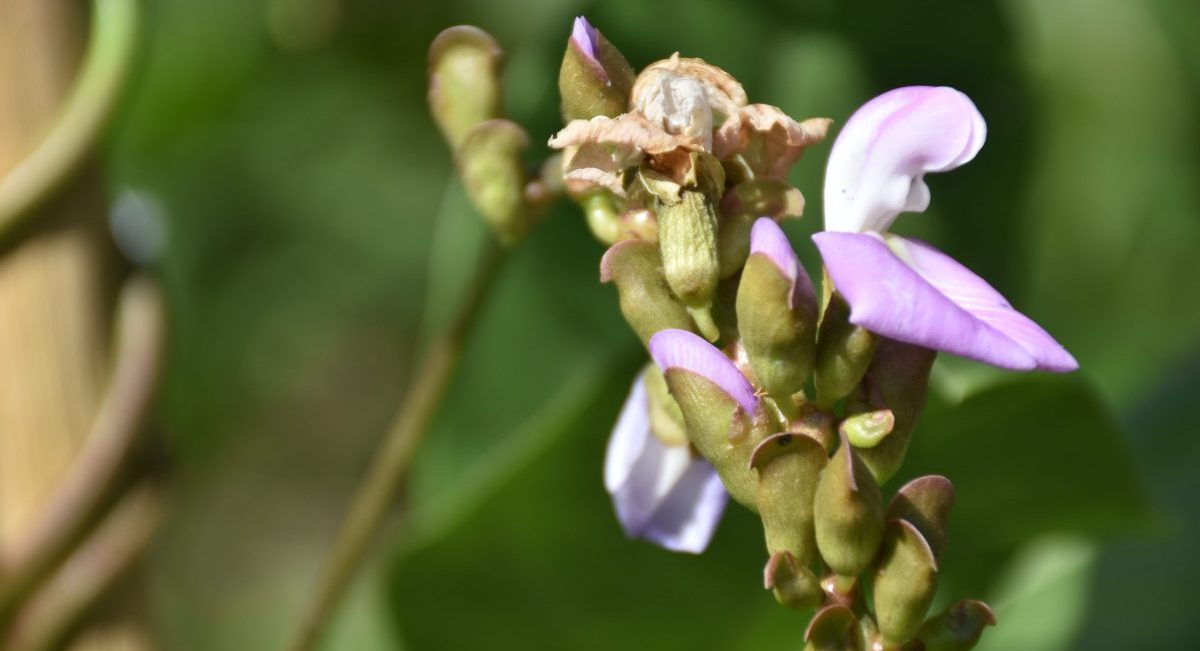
<point>55,294</point>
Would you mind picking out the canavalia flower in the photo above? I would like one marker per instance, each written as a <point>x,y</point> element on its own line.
<point>662,491</point>
<point>904,289</point>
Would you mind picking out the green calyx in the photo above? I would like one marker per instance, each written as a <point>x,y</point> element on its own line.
<point>687,232</point>
<point>464,81</point>
<point>792,583</point>
<point>741,206</point>
<point>777,329</point>
<point>897,380</point>
<point>591,87</point>
<point>958,628</point>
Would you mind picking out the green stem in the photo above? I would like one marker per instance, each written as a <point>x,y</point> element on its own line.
<point>387,475</point>
<point>75,133</point>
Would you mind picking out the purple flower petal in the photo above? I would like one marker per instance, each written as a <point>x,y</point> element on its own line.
<point>684,350</point>
<point>877,165</point>
<point>660,492</point>
<point>767,238</point>
<point>909,291</point>
<point>585,37</point>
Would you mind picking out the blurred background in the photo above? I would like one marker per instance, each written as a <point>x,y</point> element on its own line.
<point>316,236</point>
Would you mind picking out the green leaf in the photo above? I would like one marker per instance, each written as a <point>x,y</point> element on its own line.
<point>1037,455</point>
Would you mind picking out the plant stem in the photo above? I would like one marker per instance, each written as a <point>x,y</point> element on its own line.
<point>387,475</point>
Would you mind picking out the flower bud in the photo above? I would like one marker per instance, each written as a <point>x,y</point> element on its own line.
<point>687,232</point>
<point>868,429</point>
<point>843,352</point>
<point>777,315</point>
<point>646,301</point>
<point>489,162</point>
<point>725,421</point>
<point>788,469</point>
<point>849,513</point>
<point>905,582</point>
<point>595,79</point>
<point>464,80</point>
<point>793,584</point>
<point>898,379</point>
<point>831,629</point>
<point>600,210</point>
<point>958,628</point>
<point>925,503</point>
<point>743,205</point>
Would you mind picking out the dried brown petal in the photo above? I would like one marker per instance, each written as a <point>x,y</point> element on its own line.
<point>768,138</point>
<point>628,130</point>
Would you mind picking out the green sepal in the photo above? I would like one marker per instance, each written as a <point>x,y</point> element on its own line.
<point>925,503</point>
<point>866,430</point>
<point>788,467</point>
<point>741,206</point>
<point>720,431</point>
<point>778,330</point>
<point>898,379</point>
<point>848,507</point>
<point>831,629</point>
<point>591,87</point>
<point>464,80</point>
<point>905,582</point>
<point>958,628</point>
<point>646,301</point>
<point>489,161</point>
<point>793,583</point>
<point>844,352</point>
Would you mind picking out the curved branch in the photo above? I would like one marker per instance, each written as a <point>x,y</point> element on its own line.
<point>96,478</point>
<point>36,178</point>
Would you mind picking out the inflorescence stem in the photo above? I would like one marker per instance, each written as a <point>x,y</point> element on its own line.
<point>376,494</point>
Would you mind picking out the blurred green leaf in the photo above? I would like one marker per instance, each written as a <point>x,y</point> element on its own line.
<point>1037,455</point>
<point>539,563</point>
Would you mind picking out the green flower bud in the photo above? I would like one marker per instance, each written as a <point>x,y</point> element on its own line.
<point>720,431</point>
<point>843,352</point>
<point>849,513</point>
<point>793,584</point>
<point>600,209</point>
<point>646,301</point>
<point>898,379</point>
<point>788,469</point>
<point>925,503</point>
<point>777,325</point>
<point>905,582</point>
<point>741,206</point>
<point>831,629</point>
<point>489,161</point>
<point>958,628</point>
<point>868,429</point>
<point>594,78</point>
<point>464,80</point>
<point>687,232</point>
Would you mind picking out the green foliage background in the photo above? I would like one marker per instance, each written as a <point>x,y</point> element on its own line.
<point>316,237</point>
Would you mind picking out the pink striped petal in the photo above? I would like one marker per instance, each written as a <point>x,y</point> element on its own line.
<point>683,350</point>
<point>661,493</point>
<point>877,165</point>
<point>909,291</point>
<point>767,238</point>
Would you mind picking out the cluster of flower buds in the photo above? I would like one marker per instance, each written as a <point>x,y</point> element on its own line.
<point>798,404</point>
<point>466,100</point>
